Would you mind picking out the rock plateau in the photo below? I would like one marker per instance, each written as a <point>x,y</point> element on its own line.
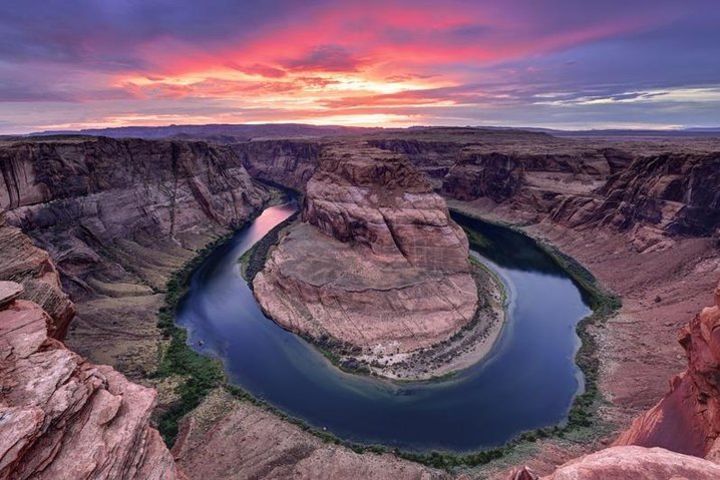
<point>377,265</point>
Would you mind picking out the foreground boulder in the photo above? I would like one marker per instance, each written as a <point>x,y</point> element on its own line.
<point>377,265</point>
<point>64,418</point>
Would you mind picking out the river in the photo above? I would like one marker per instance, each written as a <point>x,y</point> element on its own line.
<point>528,380</point>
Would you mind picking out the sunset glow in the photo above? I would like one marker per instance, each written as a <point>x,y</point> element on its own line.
<point>555,63</point>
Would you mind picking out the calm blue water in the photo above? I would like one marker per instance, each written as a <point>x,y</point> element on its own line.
<point>528,381</point>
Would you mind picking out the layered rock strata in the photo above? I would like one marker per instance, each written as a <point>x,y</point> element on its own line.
<point>647,188</point>
<point>625,463</point>
<point>62,417</point>
<point>376,265</point>
<point>23,262</point>
<point>119,217</point>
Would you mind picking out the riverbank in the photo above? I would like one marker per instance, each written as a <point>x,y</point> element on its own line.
<point>603,304</point>
<point>183,376</point>
<point>462,350</point>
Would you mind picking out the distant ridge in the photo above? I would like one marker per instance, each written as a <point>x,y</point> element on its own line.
<point>221,132</point>
<point>229,133</point>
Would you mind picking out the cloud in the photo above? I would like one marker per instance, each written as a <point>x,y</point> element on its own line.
<point>259,69</point>
<point>324,58</point>
<point>528,61</point>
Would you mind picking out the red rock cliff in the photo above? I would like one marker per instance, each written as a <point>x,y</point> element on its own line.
<point>687,419</point>
<point>64,418</point>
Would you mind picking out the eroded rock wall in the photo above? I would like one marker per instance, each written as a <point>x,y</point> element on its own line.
<point>62,417</point>
<point>119,217</point>
<point>289,163</point>
<point>23,262</point>
<point>263,446</point>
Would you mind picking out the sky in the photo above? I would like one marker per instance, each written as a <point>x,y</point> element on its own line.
<point>572,64</point>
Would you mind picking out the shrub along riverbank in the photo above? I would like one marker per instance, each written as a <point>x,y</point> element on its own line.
<point>201,374</point>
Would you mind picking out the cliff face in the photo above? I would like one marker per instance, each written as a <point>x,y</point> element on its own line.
<point>118,217</point>
<point>648,189</point>
<point>61,417</point>
<point>687,419</point>
<point>674,192</point>
<point>225,438</point>
<point>289,163</point>
<point>377,264</point>
<point>657,195</point>
<point>382,203</point>
<point>78,197</point>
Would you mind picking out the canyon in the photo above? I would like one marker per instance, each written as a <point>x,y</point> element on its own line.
<point>106,222</point>
<point>118,217</point>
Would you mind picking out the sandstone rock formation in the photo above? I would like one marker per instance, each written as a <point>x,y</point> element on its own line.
<point>675,192</point>
<point>228,439</point>
<point>377,264</point>
<point>118,223</point>
<point>289,163</point>
<point>118,217</point>
<point>631,463</point>
<point>64,418</point>
<point>646,187</point>
<point>24,263</point>
<point>687,419</point>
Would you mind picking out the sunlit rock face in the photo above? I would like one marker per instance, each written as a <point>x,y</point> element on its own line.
<point>23,262</point>
<point>687,419</point>
<point>378,201</point>
<point>376,264</point>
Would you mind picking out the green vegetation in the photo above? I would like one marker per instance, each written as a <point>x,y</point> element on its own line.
<point>199,374</point>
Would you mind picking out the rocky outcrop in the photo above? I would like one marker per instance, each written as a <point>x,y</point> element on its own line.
<point>82,197</point>
<point>381,203</point>
<point>495,176</point>
<point>119,217</point>
<point>625,463</point>
<point>687,419</point>
<point>649,189</point>
<point>377,265</point>
<point>32,267</point>
<point>62,417</point>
